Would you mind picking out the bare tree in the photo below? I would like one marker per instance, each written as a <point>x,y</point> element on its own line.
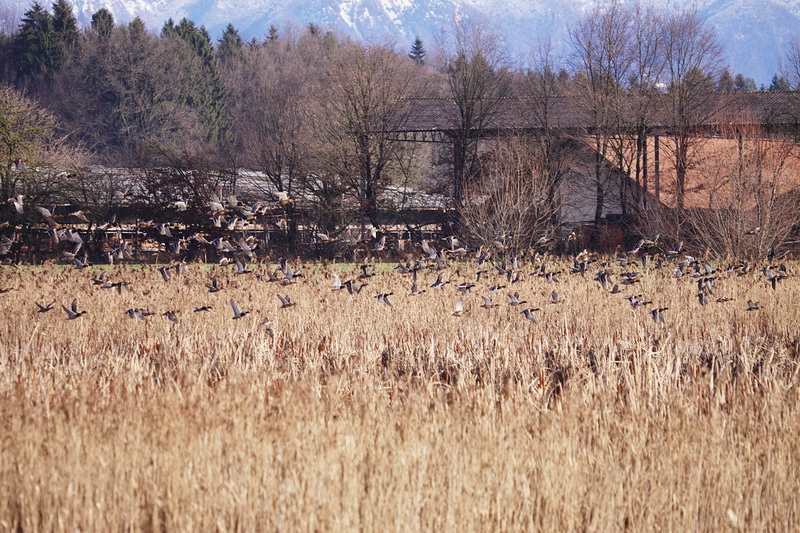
<point>475,66</point>
<point>540,89</point>
<point>366,94</point>
<point>745,202</point>
<point>511,199</point>
<point>27,134</point>
<point>790,63</point>
<point>646,71</point>
<point>603,63</point>
<point>693,61</point>
<point>270,87</point>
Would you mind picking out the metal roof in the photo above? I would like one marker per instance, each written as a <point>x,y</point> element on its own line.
<point>438,117</point>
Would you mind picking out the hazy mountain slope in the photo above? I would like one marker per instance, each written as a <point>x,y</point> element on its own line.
<point>754,32</point>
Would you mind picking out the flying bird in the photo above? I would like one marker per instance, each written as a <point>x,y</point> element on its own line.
<point>337,282</point>
<point>657,314</point>
<point>44,308</point>
<point>135,313</point>
<point>237,313</point>
<point>214,286</point>
<point>528,314</point>
<point>164,271</point>
<point>353,288</point>
<point>72,311</point>
<point>286,301</point>
<point>18,202</point>
<point>384,298</point>
<point>487,303</point>
<point>513,299</point>
<point>415,288</point>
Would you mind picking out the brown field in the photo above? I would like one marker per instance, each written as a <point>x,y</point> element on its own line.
<point>360,416</point>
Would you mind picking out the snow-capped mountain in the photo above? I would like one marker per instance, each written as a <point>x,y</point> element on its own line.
<point>755,33</point>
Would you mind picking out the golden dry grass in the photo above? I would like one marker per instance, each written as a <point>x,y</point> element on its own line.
<point>358,416</point>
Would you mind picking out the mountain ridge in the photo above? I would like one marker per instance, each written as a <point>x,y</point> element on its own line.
<point>755,33</point>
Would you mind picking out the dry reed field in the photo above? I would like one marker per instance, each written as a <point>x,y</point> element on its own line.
<point>344,413</point>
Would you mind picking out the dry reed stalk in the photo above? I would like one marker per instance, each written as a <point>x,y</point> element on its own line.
<point>360,415</point>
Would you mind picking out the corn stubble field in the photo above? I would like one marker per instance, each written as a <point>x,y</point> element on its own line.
<point>345,413</point>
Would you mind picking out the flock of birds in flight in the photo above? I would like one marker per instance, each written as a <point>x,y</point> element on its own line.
<point>613,275</point>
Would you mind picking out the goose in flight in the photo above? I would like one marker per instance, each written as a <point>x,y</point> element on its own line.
<point>18,202</point>
<point>365,274</point>
<point>513,299</point>
<point>323,238</point>
<point>487,303</point>
<point>119,196</point>
<point>80,215</point>
<point>658,314</point>
<point>380,245</point>
<point>282,198</point>
<point>675,251</point>
<point>47,216</point>
<point>135,313</point>
<point>354,288</point>
<point>459,308</point>
<point>164,271</point>
<point>337,282</point>
<point>214,286</point>
<point>464,288</point>
<point>439,282</point>
<point>286,301</point>
<point>241,267</point>
<point>384,298</point>
<point>237,313</point>
<point>44,308</point>
<point>636,301</point>
<point>72,311</point>
<point>415,288</point>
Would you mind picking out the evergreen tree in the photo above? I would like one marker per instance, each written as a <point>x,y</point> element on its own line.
<point>313,29</point>
<point>103,23</point>
<point>743,84</point>
<point>36,49</point>
<point>230,45</point>
<point>562,79</point>
<point>169,29</point>
<point>137,29</point>
<point>272,33</point>
<point>65,24</point>
<point>779,83</point>
<point>6,61</point>
<point>205,92</point>
<point>417,52</point>
<point>725,82</point>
